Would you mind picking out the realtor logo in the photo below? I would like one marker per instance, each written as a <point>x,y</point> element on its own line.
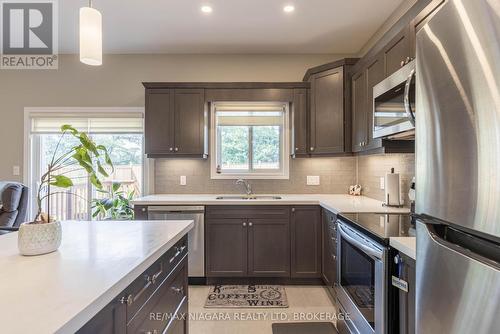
<point>29,34</point>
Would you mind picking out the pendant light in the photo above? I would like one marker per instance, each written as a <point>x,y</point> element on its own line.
<point>90,36</point>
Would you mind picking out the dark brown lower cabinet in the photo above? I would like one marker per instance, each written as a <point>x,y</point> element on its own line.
<point>407,299</point>
<point>305,223</point>
<point>268,248</point>
<point>226,247</point>
<point>329,248</point>
<point>156,302</point>
<point>247,241</point>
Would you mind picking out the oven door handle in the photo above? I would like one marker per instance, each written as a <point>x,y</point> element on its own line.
<point>374,252</point>
<point>409,112</point>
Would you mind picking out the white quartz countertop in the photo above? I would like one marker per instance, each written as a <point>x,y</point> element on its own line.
<point>337,203</point>
<point>406,245</point>
<point>59,292</point>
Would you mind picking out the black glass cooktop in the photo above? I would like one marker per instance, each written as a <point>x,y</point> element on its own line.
<point>381,226</point>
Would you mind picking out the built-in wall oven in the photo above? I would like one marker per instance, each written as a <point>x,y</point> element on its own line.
<point>362,282</point>
<point>394,105</point>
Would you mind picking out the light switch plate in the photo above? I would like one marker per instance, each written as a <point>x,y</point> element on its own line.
<point>382,183</point>
<point>313,180</point>
<point>183,180</point>
<point>16,170</point>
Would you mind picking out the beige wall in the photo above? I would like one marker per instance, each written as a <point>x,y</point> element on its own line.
<point>118,83</point>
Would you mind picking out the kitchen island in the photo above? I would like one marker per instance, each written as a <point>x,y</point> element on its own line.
<point>97,263</point>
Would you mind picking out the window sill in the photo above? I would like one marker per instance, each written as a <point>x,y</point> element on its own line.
<point>249,177</point>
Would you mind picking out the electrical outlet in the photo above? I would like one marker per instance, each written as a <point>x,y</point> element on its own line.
<point>382,183</point>
<point>183,180</point>
<point>312,180</point>
<point>16,170</point>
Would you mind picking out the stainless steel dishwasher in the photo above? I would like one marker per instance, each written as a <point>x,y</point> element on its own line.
<point>196,237</point>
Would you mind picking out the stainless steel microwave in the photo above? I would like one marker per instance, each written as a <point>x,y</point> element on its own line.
<point>394,105</point>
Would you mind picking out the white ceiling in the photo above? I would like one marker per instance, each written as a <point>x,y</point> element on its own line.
<point>234,26</point>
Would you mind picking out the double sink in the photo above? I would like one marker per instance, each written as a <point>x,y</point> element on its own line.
<point>249,197</point>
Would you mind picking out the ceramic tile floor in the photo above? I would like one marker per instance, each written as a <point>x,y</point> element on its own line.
<point>304,301</point>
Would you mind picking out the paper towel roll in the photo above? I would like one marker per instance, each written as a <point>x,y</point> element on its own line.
<point>392,195</point>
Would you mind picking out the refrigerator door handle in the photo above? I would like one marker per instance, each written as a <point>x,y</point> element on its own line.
<point>409,112</point>
<point>430,228</point>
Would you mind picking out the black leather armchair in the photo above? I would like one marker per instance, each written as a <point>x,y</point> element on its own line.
<point>13,206</point>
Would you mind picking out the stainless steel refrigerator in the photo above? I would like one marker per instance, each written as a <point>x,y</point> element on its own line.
<point>458,169</point>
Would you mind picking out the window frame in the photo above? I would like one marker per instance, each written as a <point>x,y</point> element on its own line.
<point>31,142</point>
<point>282,174</point>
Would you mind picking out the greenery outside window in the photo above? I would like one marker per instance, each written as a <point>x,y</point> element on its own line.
<point>249,140</point>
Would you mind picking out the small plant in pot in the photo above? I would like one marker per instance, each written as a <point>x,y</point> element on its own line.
<point>44,234</point>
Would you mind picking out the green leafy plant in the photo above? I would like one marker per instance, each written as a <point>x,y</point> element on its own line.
<point>87,156</point>
<point>115,206</point>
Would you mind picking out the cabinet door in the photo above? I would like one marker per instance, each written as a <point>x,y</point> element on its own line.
<point>359,114</point>
<point>226,247</point>
<point>374,75</point>
<point>299,122</point>
<point>407,299</point>
<point>327,112</point>
<point>112,319</point>
<point>159,121</point>
<point>305,223</point>
<point>396,51</point>
<point>268,248</point>
<point>189,121</point>
<point>329,268</point>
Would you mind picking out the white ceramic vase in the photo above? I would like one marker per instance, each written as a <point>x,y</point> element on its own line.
<point>38,239</point>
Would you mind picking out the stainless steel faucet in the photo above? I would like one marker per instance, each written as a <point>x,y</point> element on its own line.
<point>248,187</point>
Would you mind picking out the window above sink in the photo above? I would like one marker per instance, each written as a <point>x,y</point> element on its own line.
<point>249,140</point>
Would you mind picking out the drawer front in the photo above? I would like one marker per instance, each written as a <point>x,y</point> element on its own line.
<point>143,287</point>
<point>158,311</point>
<point>248,211</point>
<point>179,325</point>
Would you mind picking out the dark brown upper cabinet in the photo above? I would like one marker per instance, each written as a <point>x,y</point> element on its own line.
<point>374,74</point>
<point>397,52</point>
<point>327,112</point>
<point>330,112</point>
<point>300,123</point>
<point>159,121</point>
<point>359,112</point>
<point>305,224</point>
<point>175,122</point>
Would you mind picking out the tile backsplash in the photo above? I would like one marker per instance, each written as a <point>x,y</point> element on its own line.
<point>372,167</point>
<point>336,175</point>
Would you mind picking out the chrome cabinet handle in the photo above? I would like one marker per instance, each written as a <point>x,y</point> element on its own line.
<point>171,149</point>
<point>126,300</point>
<point>178,251</point>
<point>312,148</point>
<point>176,149</point>
<point>293,209</point>
<point>244,224</point>
<point>296,149</point>
<point>250,224</point>
<point>155,276</point>
<point>178,290</point>
<point>143,209</point>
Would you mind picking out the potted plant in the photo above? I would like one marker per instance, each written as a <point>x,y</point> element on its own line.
<point>115,206</point>
<point>44,234</point>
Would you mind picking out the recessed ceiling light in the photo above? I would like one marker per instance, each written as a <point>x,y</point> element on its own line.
<point>206,9</point>
<point>288,8</point>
